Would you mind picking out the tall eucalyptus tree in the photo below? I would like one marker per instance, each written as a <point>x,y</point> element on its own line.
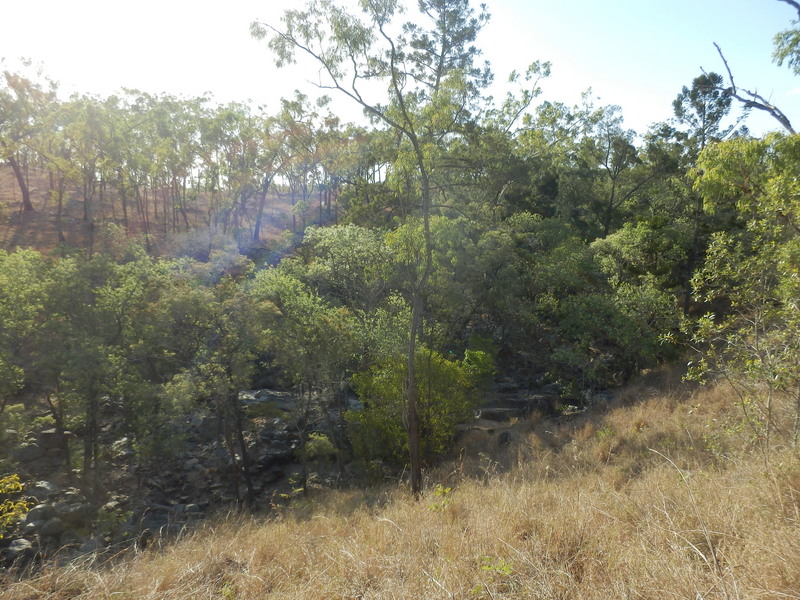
<point>418,78</point>
<point>22,102</point>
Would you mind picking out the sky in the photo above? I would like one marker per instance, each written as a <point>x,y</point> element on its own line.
<point>637,54</point>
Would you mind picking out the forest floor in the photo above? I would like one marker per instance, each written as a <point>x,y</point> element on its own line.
<point>661,493</point>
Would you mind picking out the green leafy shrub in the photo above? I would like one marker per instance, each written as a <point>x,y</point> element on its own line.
<point>446,392</point>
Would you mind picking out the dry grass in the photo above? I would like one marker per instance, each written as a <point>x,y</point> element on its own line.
<point>658,496</point>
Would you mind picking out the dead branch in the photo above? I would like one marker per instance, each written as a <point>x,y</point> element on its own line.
<point>796,6</point>
<point>753,99</point>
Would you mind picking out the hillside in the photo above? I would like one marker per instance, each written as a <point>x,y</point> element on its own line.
<point>457,385</point>
<point>38,229</point>
<point>661,494</point>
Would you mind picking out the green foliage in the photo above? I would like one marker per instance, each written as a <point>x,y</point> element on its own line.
<point>312,340</point>
<point>650,250</point>
<point>350,263</point>
<point>754,269</point>
<point>23,294</point>
<point>702,108</point>
<point>787,48</point>
<point>446,396</point>
<point>319,447</point>
<point>443,498</point>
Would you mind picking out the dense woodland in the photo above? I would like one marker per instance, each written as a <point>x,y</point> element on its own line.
<point>453,243</point>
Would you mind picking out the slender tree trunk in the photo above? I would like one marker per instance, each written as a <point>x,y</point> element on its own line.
<point>417,313</point>
<point>262,202</point>
<point>60,210</point>
<point>123,193</point>
<point>57,411</point>
<point>90,441</point>
<point>245,455</point>
<point>23,184</point>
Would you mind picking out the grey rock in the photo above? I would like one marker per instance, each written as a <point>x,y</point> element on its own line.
<point>51,438</point>
<point>20,548</point>
<point>53,527</point>
<point>29,452</point>
<point>278,400</point>
<point>122,448</point>
<point>498,414</point>
<point>193,464</point>
<point>92,545</point>
<point>40,512</point>
<point>31,527</point>
<point>75,513</point>
<point>43,489</point>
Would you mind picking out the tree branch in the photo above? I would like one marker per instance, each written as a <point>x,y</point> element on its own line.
<point>753,99</point>
<point>796,6</point>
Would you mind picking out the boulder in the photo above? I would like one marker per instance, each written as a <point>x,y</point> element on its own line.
<point>75,513</point>
<point>19,549</point>
<point>270,404</point>
<point>28,452</point>
<point>40,513</point>
<point>51,438</point>
<point>53,527</point>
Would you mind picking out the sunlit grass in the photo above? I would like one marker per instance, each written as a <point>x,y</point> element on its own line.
<point>657,496</point>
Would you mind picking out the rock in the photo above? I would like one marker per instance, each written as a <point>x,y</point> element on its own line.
<point>40,512</point>
<point>192,509</point>
<point>42,489</point>
<point>122,449</point>
<point>29,452</point>
<point>272,475</point>
<point>92,545</point>
<point>75,513</point>
<point>269,403</point>
<point>30,527</point>
<point>208,428</point>
<point>53,527</point>
<point>51,438</point>
<point>193,464</point>
<point>19,549</point>
<point>498,414</point>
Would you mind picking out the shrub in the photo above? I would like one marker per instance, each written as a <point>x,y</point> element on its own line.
<point>446,392</point>
<point>12,509</point>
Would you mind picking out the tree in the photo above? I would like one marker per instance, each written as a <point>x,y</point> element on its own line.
<point>754,267</point>
<point>312,341</point>
<point>446,393</point>
<point>24,276</point>
<point>431,81</point>
<point>702,109</point>
<point>787,43</point>
<point>22,103</point>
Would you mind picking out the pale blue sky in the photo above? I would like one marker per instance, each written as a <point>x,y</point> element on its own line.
<point>634,53</point>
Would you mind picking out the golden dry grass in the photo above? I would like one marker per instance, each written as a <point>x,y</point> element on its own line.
<point>658,496</point>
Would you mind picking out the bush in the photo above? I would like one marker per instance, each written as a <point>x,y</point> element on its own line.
<point>12,509</point>
<point>446,392</point>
